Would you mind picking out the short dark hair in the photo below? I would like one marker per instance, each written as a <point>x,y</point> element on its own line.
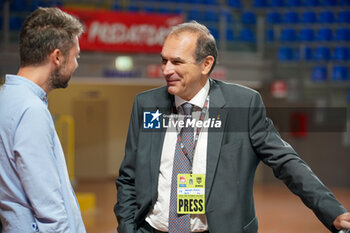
<point>45,30</point>
<point>206,44</point>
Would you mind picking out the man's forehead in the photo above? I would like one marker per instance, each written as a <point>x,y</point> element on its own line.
<point>178,46</point>
<point>182,37</point>
<point>184,33</point>
<point>179,55</point>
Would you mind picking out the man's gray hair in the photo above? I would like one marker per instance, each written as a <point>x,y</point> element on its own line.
<point>206,44</point>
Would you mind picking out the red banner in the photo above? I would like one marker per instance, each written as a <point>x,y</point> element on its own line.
<point>124,32</point>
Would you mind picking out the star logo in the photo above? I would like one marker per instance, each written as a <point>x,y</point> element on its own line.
<point>156,115</point>
<point>151,120</point>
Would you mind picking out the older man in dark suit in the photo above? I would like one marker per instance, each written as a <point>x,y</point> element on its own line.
<point>153,192</point>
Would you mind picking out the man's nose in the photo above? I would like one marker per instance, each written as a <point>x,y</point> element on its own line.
<point>167,68</point>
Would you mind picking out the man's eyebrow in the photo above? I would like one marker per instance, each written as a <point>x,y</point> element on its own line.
<point>178,58</point>
<point>171,58</point>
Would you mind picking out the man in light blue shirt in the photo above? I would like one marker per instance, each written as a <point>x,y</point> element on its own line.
<point>36,194</point>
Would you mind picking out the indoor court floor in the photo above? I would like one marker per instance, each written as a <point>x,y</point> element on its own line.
<point>278,210</point>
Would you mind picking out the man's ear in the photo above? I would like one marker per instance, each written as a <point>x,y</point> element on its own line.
<point>207,64</point>
<point>56,57</point>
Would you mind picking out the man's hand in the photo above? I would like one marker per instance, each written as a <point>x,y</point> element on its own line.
<point>342,221</point>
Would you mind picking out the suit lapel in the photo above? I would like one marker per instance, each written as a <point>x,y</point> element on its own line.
<point>216,110</point>
<point>165,106</point>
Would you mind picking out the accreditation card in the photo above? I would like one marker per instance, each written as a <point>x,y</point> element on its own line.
<point>190,193</point>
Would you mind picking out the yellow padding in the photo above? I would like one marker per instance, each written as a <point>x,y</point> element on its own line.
<point>87,201</point>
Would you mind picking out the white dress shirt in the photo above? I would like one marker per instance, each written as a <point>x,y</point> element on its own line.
<point>158,217</point>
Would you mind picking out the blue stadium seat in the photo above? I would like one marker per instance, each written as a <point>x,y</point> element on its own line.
<point>194,15</point>
<point>343,17</point>
<point>322,53</point>
<point>211,15</point>
<point>341,53</point>
<point>328,2</point>
<point>294,3</point>
<point>38,3</point>
<point>327,17</point>
<point>340,73</point>
<point>288,35</point>
<point>344,3</point>
<point>227,15</point>
<point>165,10</point>
<point>211,2</point>
<point>260,3</point>
<point>308,17</point>
<point>248,17</point>
<point>214,32</point>
<point>149,9</point>
<point>311,3</point>
<point>277,3</point>
<point>57,3</point>
<point>342,34</point>
<point>270,35</point>
<point>296,54</point>
<point>319,73</point>
<point>116,6</point>
<point>324,34</point>
<point>178,10</point>
<point>285,53</point>
<point>16,22</point>
<point>133,8</point>
<point>234,4</point>
<point>247,35</point>
<point>291,17</point>
<point>306,53</point>
<point>18,5</point>
<point>273,17</point>
<point>306,34</point>
<point>230,36</point>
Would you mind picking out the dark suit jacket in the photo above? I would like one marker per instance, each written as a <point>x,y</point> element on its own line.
<point>246,137</point>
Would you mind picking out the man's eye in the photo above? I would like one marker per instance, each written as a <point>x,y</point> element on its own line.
<point>164,61</point>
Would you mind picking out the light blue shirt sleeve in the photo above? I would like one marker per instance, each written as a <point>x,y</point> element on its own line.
<point>38,170</point>
<point>35,191</point>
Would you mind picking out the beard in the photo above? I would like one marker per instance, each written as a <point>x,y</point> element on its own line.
<point>58,79</point>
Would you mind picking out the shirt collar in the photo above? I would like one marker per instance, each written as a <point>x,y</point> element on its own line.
<point>16,80</point>
<point>198,100</point>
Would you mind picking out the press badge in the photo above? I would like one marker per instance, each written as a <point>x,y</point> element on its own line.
<point>190,193</point>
